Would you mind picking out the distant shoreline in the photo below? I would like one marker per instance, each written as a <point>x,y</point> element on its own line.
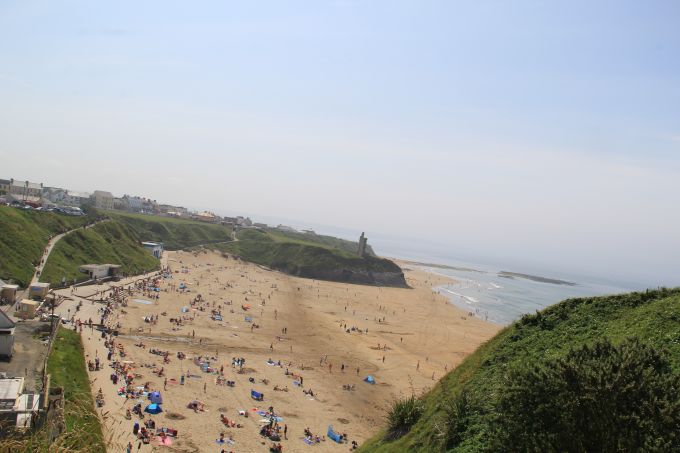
<point>442,266</point>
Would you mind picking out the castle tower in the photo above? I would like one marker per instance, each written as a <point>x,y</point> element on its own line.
<point>362,245</point>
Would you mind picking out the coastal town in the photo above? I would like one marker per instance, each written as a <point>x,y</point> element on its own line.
<point>32,195</point>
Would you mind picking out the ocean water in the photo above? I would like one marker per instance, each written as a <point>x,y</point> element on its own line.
<point>502,300</point>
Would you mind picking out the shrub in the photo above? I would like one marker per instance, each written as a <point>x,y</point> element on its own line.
<point>403,415</point>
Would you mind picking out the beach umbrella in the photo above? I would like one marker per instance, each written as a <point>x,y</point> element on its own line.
<point>156,398</point>
<point>153,408</point>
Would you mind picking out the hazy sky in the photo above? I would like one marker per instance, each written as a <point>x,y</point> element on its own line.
<point>539,131</point>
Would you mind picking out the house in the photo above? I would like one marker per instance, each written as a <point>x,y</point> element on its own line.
<point>100,270</point>
<point>54,194</point>
<point>102,199</point>
<point>27,309</point>
<point>10,391</point>
<point>155,248</point>
<point>286,228</point>
<point>25,190</point>
<point>76,199</point>
<point>260,225</point>
<point>6,335</point>
<point>16,406</point>
<point>207,217</point>
<point>38,290</point>
<point>4,186</point>
<point>8,293</point>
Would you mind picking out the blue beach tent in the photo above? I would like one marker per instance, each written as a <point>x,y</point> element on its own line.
<point>153,408</point>
<point>156,398</point>
<point>369,379</point>
<point>333,435</point>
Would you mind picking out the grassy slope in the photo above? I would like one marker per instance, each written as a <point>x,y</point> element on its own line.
<point>108,242</point>
<point>66,365</point>
<point>318,239</point>
<point>23,237</point>
<point>652,316</point>
<point>294,255</point>
<point>174,233</point>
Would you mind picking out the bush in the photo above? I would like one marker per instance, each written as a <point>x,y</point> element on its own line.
<point>403,415</point>
<point>602,398</point>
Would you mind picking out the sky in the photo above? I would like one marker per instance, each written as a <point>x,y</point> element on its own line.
<point>545,133</point>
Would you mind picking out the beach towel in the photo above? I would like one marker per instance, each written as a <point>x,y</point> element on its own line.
<point>249,319</point>
<point>307,441</point>
<point>167,441</point>
<point>333,435</point>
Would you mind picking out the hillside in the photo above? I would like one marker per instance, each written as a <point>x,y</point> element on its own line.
<point>549,383</point>
<point>108,242</point>
<point>308,259</point>
<point>175,234</point>
<point>118,241</point>
<point>24,235</point>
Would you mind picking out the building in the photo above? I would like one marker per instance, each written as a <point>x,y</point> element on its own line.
<point>4,186</point>
<point>207,217</point>
<point>286,228</point>
<point>54,194</point>
<point>27,309</point>
<point>155,248</point>
<point>10,391</point>
<point>17,407</point>
<point>6,335</point>
<point>100,270</point>
<point>260,225</point>
<point>8,293</point>
<point>362,245</point>
<point>102,199</point>
<point>38,290</point>
<point>25,190</point>
<point>76,199</point>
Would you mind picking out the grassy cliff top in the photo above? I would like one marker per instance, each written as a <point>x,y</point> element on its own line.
<point>307,255</point>
<point>462,413</point>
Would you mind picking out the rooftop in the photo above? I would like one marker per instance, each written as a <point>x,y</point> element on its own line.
<point>10,389</point>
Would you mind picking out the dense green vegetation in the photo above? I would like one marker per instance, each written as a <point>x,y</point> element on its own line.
<point>107,242</point>
<point>66,366</point>
<point>309,259</point>
<point>175,234</point>
<point>24,235</point>
<point>588,374</point>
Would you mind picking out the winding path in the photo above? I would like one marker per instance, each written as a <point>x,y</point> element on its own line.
<point>50,246</point>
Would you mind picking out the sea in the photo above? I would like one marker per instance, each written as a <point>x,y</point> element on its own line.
<point>486,290</point>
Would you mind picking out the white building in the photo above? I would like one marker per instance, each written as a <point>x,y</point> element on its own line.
<point>77,199</point>
<point>155,248</point>
<point>102,199</point>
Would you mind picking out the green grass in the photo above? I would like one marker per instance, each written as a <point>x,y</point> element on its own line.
<point>310,259</point>
<point>109,242</point>
<point>652,316</point>
<point>175,234</point>
<point>66,366</point>
<point>23,237</point>
<point>330,242</point>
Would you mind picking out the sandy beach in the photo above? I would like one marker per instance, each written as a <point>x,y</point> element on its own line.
<point>330,334</point>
